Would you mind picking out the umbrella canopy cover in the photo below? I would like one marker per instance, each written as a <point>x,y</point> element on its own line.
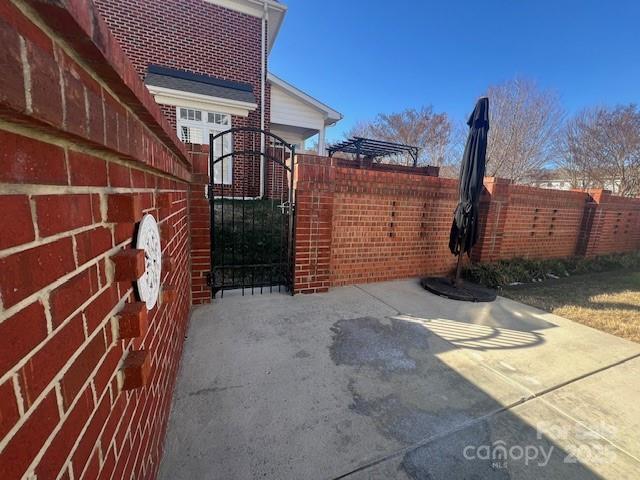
<point>464,230</point>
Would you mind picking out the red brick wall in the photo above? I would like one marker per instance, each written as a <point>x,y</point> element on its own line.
<point>199,37</point>
<point>192,35</point>
<point>315,188</point>
<point>529,222</point>
<point>615,224</point>
<point>389,225</point>
<point>86,375</point>
<point>362,225</point>
<point>367,225</point>
<point>199,228</point>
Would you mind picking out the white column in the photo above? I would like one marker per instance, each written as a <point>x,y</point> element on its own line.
<point>321,150</point>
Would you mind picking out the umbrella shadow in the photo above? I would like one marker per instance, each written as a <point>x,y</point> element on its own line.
<point>478,337</point>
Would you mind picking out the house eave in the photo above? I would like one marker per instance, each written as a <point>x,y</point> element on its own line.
<point>256,8</point>
<point>178,98</point>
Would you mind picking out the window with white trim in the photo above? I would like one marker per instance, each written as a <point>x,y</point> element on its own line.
<point>195,126</point>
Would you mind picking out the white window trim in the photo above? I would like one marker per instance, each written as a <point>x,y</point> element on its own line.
<point>208,129</point>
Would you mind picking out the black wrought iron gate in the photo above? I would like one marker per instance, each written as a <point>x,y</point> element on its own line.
<point>252,211</point>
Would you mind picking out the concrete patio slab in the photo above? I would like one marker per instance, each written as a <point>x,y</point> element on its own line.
<point>609,401</point>
<point>533,348</point>
<point>381,381</point>
<point>530,441</point>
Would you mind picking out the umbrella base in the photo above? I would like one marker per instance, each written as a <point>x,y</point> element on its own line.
<point>465,292</point>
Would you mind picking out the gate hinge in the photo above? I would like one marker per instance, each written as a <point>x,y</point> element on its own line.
<point>209,277</point>
<point>208,192</point>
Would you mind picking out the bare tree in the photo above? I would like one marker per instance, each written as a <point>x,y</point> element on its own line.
<point>574,158</point>
<point>601,148</point>
<point>524,123</point>
<point>450,167</point>
<point>423,128</point>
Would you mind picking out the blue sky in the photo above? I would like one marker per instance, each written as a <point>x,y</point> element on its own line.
<point>366,57</point>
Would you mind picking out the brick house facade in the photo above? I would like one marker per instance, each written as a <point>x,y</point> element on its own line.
<point>218,51</point>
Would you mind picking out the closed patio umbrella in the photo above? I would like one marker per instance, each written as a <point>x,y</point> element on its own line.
<point>465,228</point>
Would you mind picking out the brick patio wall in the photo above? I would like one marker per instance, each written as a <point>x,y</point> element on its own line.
<point>360,225</point>
<point>86,373</point>
<point>522,221</point>
<point>614,224</point>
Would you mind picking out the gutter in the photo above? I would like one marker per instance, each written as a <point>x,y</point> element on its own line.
<point>263,79</point>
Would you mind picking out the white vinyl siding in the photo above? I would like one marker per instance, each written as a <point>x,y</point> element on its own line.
<point>289,110</point>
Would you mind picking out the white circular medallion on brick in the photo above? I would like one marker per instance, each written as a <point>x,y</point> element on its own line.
<point>148,239</point>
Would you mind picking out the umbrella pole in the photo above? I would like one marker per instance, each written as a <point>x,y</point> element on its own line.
<point>457,281</point>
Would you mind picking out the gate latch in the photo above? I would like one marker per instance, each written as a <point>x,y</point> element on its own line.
<point>285,207</point>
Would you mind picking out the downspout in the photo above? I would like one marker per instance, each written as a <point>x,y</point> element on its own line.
<point>263,89</point>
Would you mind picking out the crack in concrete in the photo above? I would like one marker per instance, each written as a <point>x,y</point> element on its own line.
<point>398,312</point>
<point>207,391</point>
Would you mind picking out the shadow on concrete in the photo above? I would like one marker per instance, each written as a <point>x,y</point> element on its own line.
<point>477,337</point>
<point>451,428</point>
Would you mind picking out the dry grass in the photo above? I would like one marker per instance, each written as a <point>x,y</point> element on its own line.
<point>607,301</point>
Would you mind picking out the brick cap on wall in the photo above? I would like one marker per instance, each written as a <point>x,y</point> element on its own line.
<point>84,29</point>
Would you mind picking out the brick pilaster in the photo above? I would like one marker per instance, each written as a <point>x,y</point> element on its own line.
<point>494,206</point>
<point>200,224</point>
<point>314,215</point>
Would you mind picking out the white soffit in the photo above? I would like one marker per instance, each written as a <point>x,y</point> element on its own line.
<point>275,10</point>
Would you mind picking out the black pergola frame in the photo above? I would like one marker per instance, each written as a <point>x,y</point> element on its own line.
<point>370,148</point>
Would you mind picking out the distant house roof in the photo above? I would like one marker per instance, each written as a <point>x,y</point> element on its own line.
<point>183,81</point>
